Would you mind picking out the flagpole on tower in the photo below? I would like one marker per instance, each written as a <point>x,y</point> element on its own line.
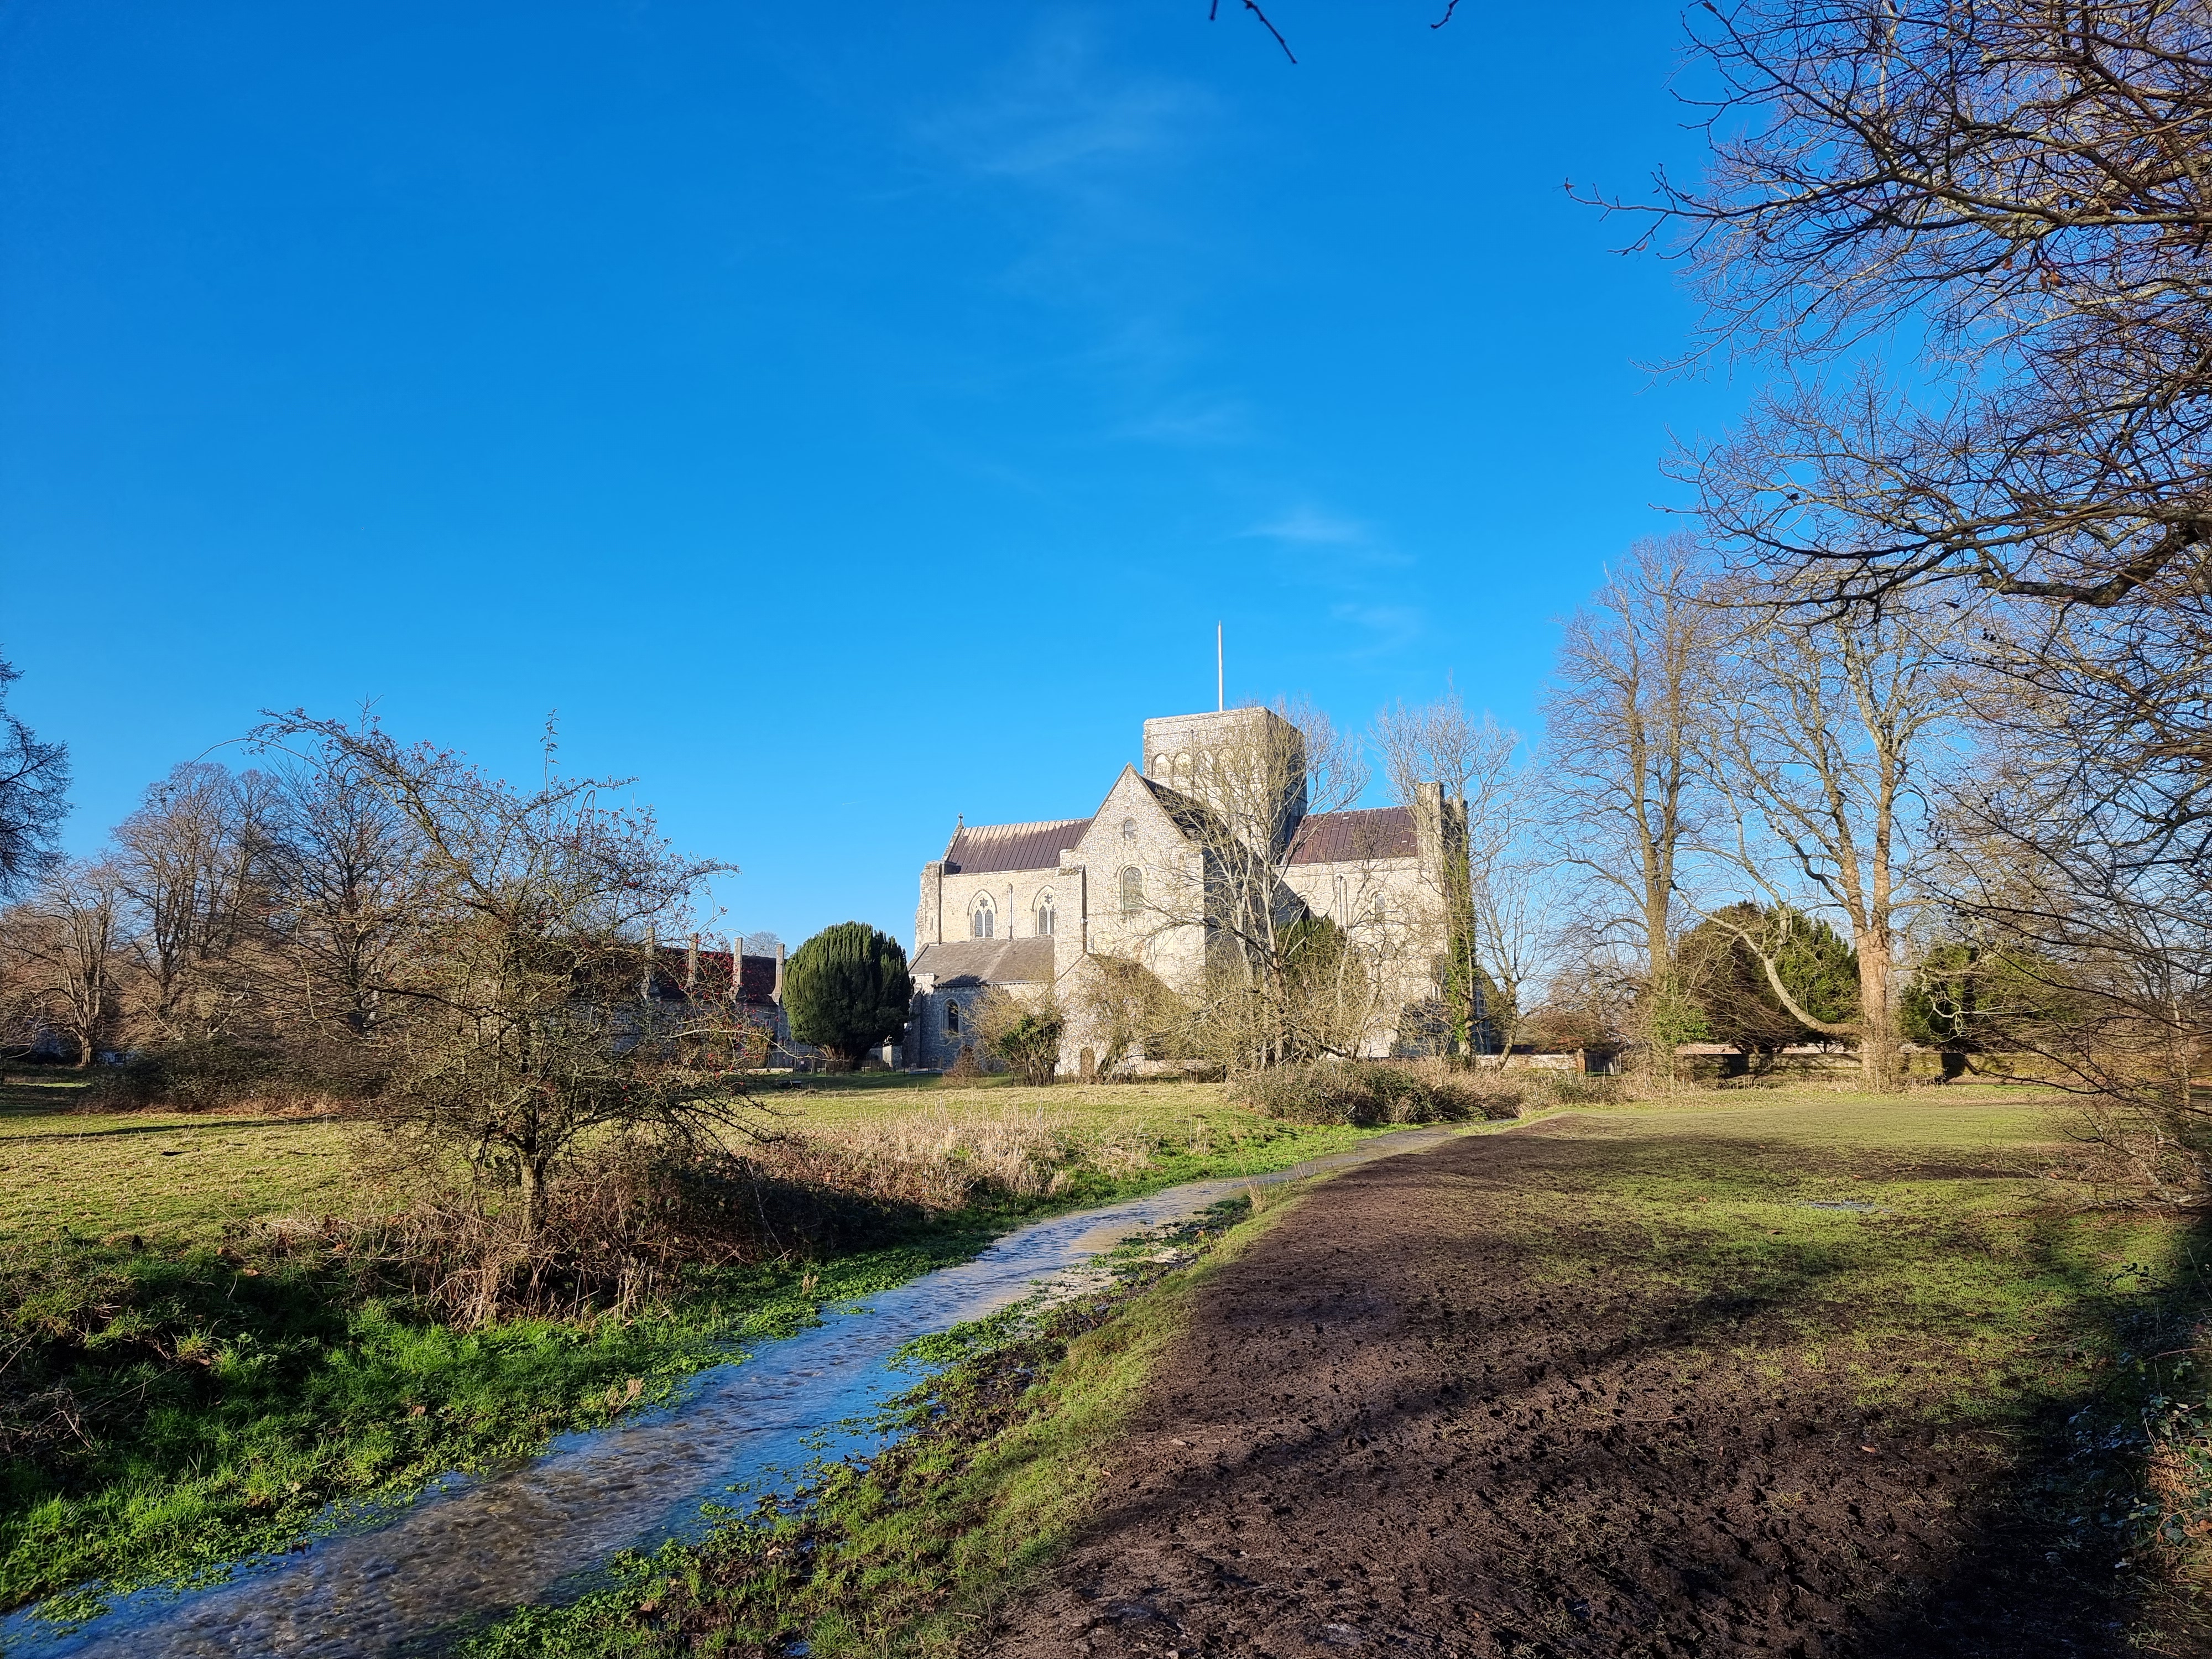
<point>1220,701</point>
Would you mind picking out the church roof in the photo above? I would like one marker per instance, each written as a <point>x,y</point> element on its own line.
<point>984,846</point>
<point>1381,832</point>
<point>987,961</point>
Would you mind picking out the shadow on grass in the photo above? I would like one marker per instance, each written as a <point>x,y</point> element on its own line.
<point>2081,1545</point>
<point>1637,1418</point>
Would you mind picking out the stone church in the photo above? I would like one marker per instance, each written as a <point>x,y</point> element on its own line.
<point>1029,907</point>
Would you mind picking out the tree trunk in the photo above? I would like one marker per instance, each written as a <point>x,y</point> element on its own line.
<point>1878,1049</point>
<point>1659,1037</point>
<point>533,1197</point>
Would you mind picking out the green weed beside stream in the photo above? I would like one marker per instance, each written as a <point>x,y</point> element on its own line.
<point>998,1462</point>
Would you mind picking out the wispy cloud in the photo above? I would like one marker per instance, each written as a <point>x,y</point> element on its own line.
<point>1306,526</point>
<point>1059,117</point>
<point>1090,159</point>
<point>1193,423</point>
<point>1386,628</point>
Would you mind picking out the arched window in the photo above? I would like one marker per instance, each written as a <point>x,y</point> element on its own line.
<point>1163,764</point>
<point>1375,915</point>
<point>951,1017</point>
<point>1128,829</point>
<point>1044,916</point>
<point>983,921</point>
<point>1133,890</point>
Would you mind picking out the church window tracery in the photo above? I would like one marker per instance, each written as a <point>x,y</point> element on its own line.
<point>1044,916</point>
<point>1133,890</point>
<point>982,920</point>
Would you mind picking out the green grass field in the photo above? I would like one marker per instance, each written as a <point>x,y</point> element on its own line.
<point>189,1175</point>
<point>259,1389</point>
<point>229,1389</point>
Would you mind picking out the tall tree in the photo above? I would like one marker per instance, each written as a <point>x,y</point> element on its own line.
<point>65,948</point>
<point>2017,188</point>
<point>2015,191</point>
<point>194,858</point>
<point>1624,733</point>
<point>34,779</point>
<point>1825,737</point>
<point>848,990</point>
<point>350,887</point>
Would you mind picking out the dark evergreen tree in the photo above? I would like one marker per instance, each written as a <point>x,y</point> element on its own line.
<point>1725,980</point>
<point>1964,1000</point>
<point>847,990</point>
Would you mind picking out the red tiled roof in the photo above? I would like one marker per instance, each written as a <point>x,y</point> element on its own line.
<point>982,846</point>
<point>757,983</point>
<point>1381,832</point>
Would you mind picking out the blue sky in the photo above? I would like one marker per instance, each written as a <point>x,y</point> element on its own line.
<point>843,419</point>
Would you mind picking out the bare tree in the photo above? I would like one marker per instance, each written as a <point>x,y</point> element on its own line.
<point>65,945</point>
<point>1223,917</point>
<point>1624,737</point>
<point>1490,904</point>
<point>2017,185</point>
<point>2079,872</point>
<point>2016,191</point>
<point>1823,737</point>
<point>34,779</point>
<point>194,858</point>
<point>1126,1011</point>
<point>1022,1032</point>
<point>347,876</point>
<point>530,967</point>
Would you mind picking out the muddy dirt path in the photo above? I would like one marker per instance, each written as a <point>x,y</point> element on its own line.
<point>1407,1422</point>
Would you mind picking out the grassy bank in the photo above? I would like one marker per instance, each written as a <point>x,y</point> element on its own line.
<point>999,1466</point>
<point>193,1374</point>
<point>1939,1254</point>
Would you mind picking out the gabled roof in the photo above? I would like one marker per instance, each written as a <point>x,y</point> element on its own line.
<point>1186,813</point>
<point>981,848</point>
<point>1381,832</point>
<point>987,961</point>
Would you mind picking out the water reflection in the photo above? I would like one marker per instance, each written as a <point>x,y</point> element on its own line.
<point>475,1547</point>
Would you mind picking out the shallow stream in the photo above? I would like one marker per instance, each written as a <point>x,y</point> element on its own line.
<point>471,1548</point>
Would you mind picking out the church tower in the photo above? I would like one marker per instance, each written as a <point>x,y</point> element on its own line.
<point>1247,764</point>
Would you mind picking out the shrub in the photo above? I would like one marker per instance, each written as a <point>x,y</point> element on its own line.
<point>1024,1033</point>
<point>1370,1092</point>
<point>202,1074</point>
<point>192,1076</point>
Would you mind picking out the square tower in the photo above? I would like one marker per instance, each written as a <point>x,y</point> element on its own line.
<point>1248,764</point>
